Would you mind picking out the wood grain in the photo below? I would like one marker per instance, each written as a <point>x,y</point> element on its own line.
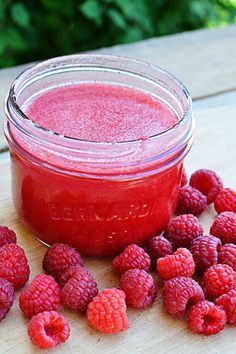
<point>151,331</point>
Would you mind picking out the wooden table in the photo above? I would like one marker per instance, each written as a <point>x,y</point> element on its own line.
<point>205,61</point>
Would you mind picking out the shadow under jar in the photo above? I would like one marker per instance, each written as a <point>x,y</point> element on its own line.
<point>98,197</point>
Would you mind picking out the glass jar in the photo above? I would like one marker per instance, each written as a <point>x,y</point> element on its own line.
<point>98,197</point>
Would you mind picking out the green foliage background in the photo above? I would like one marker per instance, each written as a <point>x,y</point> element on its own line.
<point>38,29</point>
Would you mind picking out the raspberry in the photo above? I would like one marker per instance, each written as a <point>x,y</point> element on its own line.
<point>13,265</point>
<point>206,318</point>
<point>43,294</point>
<point>48,329</point>
<point>184,179</point>
<point>178,264</point>
<point>6,236</point>
<point>207,182</point>
<point>60,257</point>
<point>218,280</point>
<point>6,297</point>
<point>225,201</point>
<point>228,303</point>
<point>158,247</point>
<point>107,311</point>
<point>191,201</point>
<point>227,255</point>
<point>179,294</point>
<point>182,230</point>
<point>79,289</point>
<point>205,252</point>
<point>139,287</point>
<point>132,257</point>
<point>224,227</point>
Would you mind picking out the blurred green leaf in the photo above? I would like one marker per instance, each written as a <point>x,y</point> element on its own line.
<point>117,18</point>
<point>20,15</point>
<point>14,39</point>
<point>92,9</point>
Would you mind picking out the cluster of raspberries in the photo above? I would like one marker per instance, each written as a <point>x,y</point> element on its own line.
<point>180,252</point>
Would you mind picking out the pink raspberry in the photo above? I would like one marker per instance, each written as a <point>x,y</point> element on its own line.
<point>218,280</point>
<point>107,311</point>
<point>175,265</point>
<point>184,179</point>
<point>60,257</point>
<point>182,230</point>
<point>6,297</point>
<point>206,318</point>
<point>225,201</point>
<point>139,287</point>
<point>191,201</point>
<point>179,294</point>
<point>79,289</point>
<point>6,236</point>
<point>43,294</point>
<point>132,257</point>
<point>227,255</point>
<point>228,303</point>
<point>207,182</point>
<point>158,247</point>
<point>14,265</point>
<point>205,251</point>
<point>224,227</point>
<point>48,329</point>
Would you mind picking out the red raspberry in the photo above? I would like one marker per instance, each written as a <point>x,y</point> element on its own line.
<point>218,280</point>
<point>139,287</point>
<point>225,201</point>
<point>6,297</point>
<point>60,257</point>
<point>43,294</point>
<point>205,252</point>
<point>179,294</point>
<point>175,265</point>
<point>207,182</point>
<point>227,255</point>
<point>48,329</point>
<point>182,230</point>
<point>158,247</point>
<point>224,227</point>
<point>14,265</point>
<point>206,318</point>
<point>132,257</point>
<point>79,289</point>
<point>228,303</point>
<point>6,236</point>
<point>191,201</point>
<point>107,311</point>
<point>184,179</point>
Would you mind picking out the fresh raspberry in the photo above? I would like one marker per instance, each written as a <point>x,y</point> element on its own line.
<point>191,201</point>
<point>158,247</point>
<point>225,201</point>
<point>184,179</point>
<point>6,236</point>
<point>14,265</point>
<point>182,230</point>
<point>207,182</point>
<point>43,294</point>
<point>139,287</point>
<point>218,280</point>
<point>79,289</point>
<point>205,252</point>
<point>224,227</point>
<point>206,318</point>
<point>107,311</point>
<point>228,303</point>
<point>60,257</point>
<point>179,294</point>
<point>6,297</point>
<point>177,264</point>
<point>132,257</point>
<point>48,329</point>
<point>227,255</point>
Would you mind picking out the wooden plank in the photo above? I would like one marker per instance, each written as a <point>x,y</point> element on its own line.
<point>200,59</point>
<point>151,331</point>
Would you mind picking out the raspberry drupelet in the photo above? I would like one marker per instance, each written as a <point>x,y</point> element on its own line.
<point>6,297</point>
<point>133,257</point>
<point>227,255</point>
<point>158,247</point>
<point>6,236</point>
<point>225,201</point>
<point>228,303</point>
<point>191,201</point>
<point>224,227</point>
